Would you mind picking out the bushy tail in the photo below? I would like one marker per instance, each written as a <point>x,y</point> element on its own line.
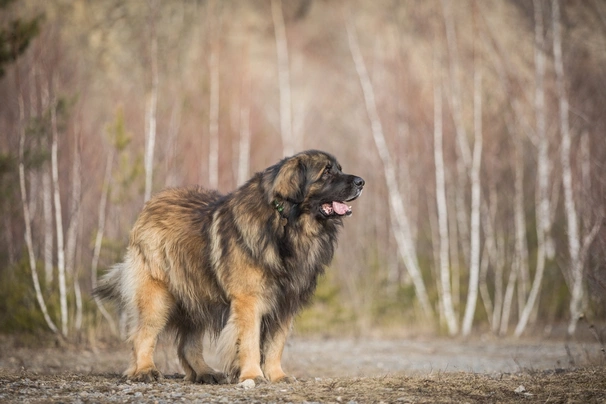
<point>227,350</point>
<point>109,285</point>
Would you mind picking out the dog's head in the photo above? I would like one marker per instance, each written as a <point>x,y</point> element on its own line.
<point>312,182</point>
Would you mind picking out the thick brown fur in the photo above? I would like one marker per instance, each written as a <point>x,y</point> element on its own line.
<point>238,267</point>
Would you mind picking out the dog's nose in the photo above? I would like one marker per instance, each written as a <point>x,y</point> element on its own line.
<point>358,182</point>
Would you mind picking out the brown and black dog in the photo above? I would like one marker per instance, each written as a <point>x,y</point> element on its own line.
<point>238,267</point>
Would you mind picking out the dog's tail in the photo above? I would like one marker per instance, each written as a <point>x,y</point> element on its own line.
<point>109,285</point>
<point>227,350</point>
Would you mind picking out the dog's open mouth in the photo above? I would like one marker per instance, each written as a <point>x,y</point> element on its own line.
<point>336,208</point>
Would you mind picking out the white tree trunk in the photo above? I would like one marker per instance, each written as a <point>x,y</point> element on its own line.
<point>244,140</point>
<point>574,242</point>
<point>26,213</point>
<point>445,282</point>
<point>508,298</point>
<point>58,213</point>
<point>543,217</point>
<point>464,162</point>
<point>213,115</point>
<point>476,197</point>
<point>399,217</point>
<point>492,257</point>
<point>455,84</point>
<point>151,108</point>
<point>171,145</point>
<point>49,230</point>
<point>283,78</point>
<point>72,231</point>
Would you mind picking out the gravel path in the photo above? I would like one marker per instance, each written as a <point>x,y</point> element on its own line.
<point>329,370</point>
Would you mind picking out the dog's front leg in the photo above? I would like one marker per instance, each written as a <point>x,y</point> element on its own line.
<point>273,347</point>
<point>246,312</point>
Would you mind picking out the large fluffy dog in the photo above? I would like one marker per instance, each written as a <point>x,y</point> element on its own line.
<point>238,266</point>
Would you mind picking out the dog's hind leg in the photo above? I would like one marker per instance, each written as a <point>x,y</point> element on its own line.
<point>190,352</point>
<point>153,305</point>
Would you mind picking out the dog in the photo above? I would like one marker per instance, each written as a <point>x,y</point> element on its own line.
<point>237,267</point>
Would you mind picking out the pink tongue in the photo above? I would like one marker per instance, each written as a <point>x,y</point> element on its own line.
<point>340,208</point>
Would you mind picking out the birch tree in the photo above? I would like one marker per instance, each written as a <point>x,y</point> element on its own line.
<point>152,103</point>
<point>577,249</point>
<point>283,78</point>
<point>467,167</point>
<point>476,198</point>
<point>213,114</point>
<point>463,162</point>
<point>244,138</point>
<point>543,209</point>
<point>47,199</point>
<point>58,210</point>
<point>445,282</point>
<point>400,223</point>
<point>72,230</point>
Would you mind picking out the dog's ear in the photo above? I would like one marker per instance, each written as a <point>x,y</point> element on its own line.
<point>289,184</point>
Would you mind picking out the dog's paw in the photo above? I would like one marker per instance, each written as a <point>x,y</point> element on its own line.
<point>212,378</point>
<point>146,376</point>
<point>286,379</point>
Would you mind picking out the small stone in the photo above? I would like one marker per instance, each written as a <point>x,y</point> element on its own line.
<point>247,384</point>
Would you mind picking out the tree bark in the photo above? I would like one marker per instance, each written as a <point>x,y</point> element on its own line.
<point>543,208</point>
<point>72,230</point>
<point>574,242</point>
<point>152,105</point>
<point>283,78</point>
<point>213,113</point>
<point>476,198</point>
<point>58,212</point>
<point>445,282</point>
<point>244,139</point>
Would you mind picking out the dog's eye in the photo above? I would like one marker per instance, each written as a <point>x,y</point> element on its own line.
<point>327,170</point>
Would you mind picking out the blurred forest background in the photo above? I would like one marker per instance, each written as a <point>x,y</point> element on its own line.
<point>479,128</point>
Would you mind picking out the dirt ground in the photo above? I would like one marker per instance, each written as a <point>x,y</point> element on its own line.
<point>328,371</point>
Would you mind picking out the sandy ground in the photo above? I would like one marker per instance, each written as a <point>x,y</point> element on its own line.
<point>328,370</point>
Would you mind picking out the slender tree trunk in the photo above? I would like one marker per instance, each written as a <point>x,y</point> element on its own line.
<point>476,197</point>
<point>213,115</point>
<point>58,212</point>
<point>49,231</point>
<point>171,143</point>
<point>244,140</point>
<point>26,213</point>
<point>72,230</point>
<point>152,105</point>
<point>464,154</point>
<point>455,260</point>
<point>508,298</point>
<point>491,257</point>
<point>445,283</point>
<point>99,238</point>
<point>499,266</point>
<point>574,242</point>
<point>543,208</point>
<point>47,199</point>
<point>483,287</point>
<point>400,224</point>
<point>283,78</point>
